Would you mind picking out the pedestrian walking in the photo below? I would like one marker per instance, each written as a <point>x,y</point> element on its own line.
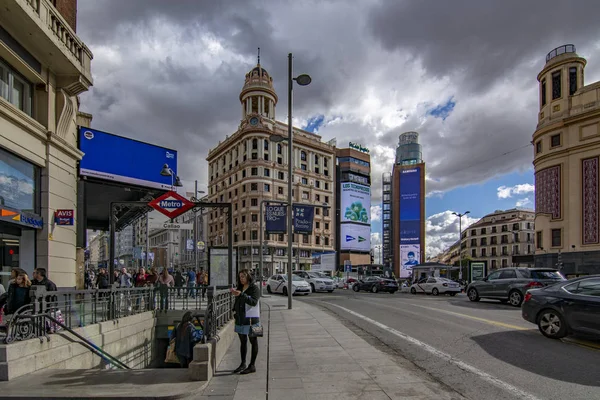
<point>246,315</point>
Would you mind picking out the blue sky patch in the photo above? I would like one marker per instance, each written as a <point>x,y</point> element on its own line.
<point>443,111</point>
<point>314,123</point>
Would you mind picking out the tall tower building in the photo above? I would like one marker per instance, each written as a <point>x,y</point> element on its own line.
<point>386,219</point>
<point>247,167</point>
<point>408,210</point>
<point>566,157</point>
<point>353,202</point>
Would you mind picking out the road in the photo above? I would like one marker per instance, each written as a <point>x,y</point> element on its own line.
<point>483,350</point>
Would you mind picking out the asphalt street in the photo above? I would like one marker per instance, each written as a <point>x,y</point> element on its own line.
<point>482,350</point>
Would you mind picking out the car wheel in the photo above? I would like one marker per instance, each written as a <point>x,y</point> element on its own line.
<point>435,291</point>
<point>413,290</point>
<point>473,295</point>
<point>269,289</point>
<point>312,288</point>
<point>355,288</point>
<point>515,298</point>
<point>552,324</point>
<point>374,289</point>
<point>452,294</point>
<point>285,293</point>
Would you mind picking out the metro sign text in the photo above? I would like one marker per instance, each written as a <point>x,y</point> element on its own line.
<point>171,204</point>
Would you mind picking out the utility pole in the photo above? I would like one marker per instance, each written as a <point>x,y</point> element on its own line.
<point>460,272</point>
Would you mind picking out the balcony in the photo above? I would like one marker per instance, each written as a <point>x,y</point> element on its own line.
<point>41,29</point>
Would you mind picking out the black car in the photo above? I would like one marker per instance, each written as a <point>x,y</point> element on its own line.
<point>376,284</point>
<point>565,308</point>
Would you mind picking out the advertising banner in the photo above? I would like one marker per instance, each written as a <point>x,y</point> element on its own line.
<point>355,203</point>
<point>276,219</point>
<point>323,261</point>
<point>218,266</point>
<point>478,271</point>
<point>189,244</point>
<point>355,237</point>
<point>410,206</point>
<point>114,158</point>
<point>303,218</point>
<point>410,255</point>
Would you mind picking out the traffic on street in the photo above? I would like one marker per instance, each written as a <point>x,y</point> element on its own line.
<point>483,350</point>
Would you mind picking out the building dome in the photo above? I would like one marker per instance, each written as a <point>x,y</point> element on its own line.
<point>258,94</point>
<point>258,78</point>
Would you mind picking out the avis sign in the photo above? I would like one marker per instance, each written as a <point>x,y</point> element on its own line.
<point>171,204</point>
<point>64,217</point>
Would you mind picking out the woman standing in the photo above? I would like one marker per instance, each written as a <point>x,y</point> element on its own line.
<point>18,293</point>
<point>246,296</point>
<point>165,280</point>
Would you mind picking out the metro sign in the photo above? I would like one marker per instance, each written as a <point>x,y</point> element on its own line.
<point>171,204</point>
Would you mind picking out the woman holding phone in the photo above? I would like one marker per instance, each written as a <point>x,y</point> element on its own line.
<point>246,298</point>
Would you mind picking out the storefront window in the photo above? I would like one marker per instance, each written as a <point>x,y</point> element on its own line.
<point>19,183</point>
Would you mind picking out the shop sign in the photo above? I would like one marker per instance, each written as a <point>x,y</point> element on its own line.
<point>358,147</point>
<point>64,217</point>
<point>21,218</point>
<point>171,204</point>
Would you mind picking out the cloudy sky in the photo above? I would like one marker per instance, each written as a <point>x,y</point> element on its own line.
<point>461,73</point>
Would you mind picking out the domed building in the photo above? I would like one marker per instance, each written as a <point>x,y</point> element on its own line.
<point>566,155</point>
<point>247,167</point>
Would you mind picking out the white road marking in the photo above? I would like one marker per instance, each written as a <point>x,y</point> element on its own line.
<point>447,357</point>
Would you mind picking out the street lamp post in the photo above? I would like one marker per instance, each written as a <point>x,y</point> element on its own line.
<point>196,192</point>
<point>460,272</point>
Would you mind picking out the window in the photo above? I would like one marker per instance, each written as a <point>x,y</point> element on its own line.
<point>243,173</point>
<point>255,156</point>
<point>254,171</point>
<point>279,160</point>
<point>243,219</point>
<point>327,225</point>
<point>280,175</point>
<point>326,241</point>
<point>473,242</point>
<point>267,172</point>
<point>473,253</point>
<point>543,92</point>
<point>317,239</point>
<point>279,190</point>
<point>304,181</point>
<point>556,237</point>
<point>266,157</point>
<point>15,89</point>
<point>483,231</point>
<point>317,226</point>
<point>508,274</point>
<point>538,147</point>
<point>473,232</point>
<point>318,184</point>
<point>317,170</point>
<point>253,187</point>
<point>254,144</point>
<point>483,252</point>
<point>326,186</point>
<point>572,80</point>
<point>266,145</point>
<point>556,85</point>
<point>587,287</point>
<point>316,159</point>
<point>555,140</point>
<point>279,150</point>
<point>325,162</point>
<point>303,156</point>
<point>305,195</point>
<point>243,205</point>
<point>317,197</point>
<point>253,202</point>
<point>538,240</point>
<point>254,235</point>
<point>303,167</point>
<point>244,188</point>
<point>267,187</point>
<point>494,275</point>
<point>254,218</point>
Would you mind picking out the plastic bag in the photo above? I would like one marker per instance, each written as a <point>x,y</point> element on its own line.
<point>171,357</point>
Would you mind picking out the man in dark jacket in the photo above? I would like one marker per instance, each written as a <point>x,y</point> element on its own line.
<point>40,278</point>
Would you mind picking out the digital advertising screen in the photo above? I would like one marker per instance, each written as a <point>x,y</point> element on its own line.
<point>410,255</point>
<point>355,203</point>
<point>119,159</point>
<point>355,237</point>
<point>410,206</point>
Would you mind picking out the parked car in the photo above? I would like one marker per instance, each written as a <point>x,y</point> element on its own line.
<point>565,308</point>
<point>316,281</point>
<point>376,284</point>
<point>436,286</point>
<point>511,284</point>
<point>279,284</point>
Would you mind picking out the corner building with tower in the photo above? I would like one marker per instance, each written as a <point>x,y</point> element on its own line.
<point>566,146</point>
<point>248,167</point>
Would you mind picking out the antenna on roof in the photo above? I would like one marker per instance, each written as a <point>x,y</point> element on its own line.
<point>259,56</point>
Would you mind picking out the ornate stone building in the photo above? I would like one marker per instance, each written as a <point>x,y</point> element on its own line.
<point>248,167</point>
<point>566,152</point>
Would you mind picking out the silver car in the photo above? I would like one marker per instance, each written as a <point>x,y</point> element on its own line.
<point>511,284</point>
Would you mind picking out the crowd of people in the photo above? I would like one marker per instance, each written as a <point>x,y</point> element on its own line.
<point>18,293</point>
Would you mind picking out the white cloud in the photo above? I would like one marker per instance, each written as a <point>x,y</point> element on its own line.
<point>524,202</point>
<point>375,239</point>
<point>375,213</point>
<point>441,231</point>
<point>506,192</point>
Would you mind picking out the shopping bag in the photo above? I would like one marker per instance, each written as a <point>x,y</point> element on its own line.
<point>253,312</point>
<point>171,357</point>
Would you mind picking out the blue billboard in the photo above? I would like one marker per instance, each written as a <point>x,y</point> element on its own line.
<point>119,159</point>
<point>410,219</point>
<point>275,217</point>
<point>303,218</point>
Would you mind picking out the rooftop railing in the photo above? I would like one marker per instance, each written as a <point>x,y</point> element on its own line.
<point>566,48</point>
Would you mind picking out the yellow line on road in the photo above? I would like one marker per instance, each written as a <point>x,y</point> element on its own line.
<point>485,320</point>
<point>582,343</point>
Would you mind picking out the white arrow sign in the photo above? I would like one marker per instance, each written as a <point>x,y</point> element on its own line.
<point>169,225</point>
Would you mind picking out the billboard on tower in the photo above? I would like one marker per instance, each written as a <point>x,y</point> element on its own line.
<point>411,218</point>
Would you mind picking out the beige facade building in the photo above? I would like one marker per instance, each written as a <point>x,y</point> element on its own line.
<point>247,167</point>
<point>566,156</point>
<point>44,66</point>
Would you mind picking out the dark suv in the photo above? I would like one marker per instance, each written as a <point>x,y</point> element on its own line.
<point>511,284</point>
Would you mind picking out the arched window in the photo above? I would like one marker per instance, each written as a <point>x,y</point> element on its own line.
<point>279,148</point>
<point>303,155</point>
<point>266,144</point>
<point>254,144</point>
<point>316,159</point>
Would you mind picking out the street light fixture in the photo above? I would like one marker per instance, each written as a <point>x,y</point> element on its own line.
<point>167,171</point>
<point>460,272</point>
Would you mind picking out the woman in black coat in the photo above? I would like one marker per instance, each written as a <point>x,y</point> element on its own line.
<point>246,296</point>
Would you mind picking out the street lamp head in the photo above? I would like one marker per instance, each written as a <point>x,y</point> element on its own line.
<point>303,80</point>
<point>467,212</point>
<point>177,182</point>
<point>166,171</point>
<point>455,214</point>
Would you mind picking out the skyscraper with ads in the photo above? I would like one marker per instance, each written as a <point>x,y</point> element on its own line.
<point>407,216</point>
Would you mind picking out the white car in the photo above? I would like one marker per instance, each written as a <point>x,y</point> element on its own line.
<point>279,284</point>
<point>317,282</point>
<point>435,286</point>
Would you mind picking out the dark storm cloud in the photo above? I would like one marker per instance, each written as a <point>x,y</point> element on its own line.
<point>484,38</point>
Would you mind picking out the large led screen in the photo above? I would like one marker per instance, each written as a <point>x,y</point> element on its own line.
<point>118,159</point>
<point>355,237</point>
<point>410,255</point>
<point>356,203</point>
<point>410,215</point>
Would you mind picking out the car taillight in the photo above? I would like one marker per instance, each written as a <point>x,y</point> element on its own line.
<point>534,284</point>
<point>527,297</point>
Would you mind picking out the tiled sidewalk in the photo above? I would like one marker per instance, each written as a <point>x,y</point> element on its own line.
<point>312,355</point>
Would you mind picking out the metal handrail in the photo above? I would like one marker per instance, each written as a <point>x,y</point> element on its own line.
<point>566,48</point>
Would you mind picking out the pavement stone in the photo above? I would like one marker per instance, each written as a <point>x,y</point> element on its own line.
<point>312,355</point>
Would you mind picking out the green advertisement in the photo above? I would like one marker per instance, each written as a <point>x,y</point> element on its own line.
<point>356,203</point>
<point>477,271</point>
